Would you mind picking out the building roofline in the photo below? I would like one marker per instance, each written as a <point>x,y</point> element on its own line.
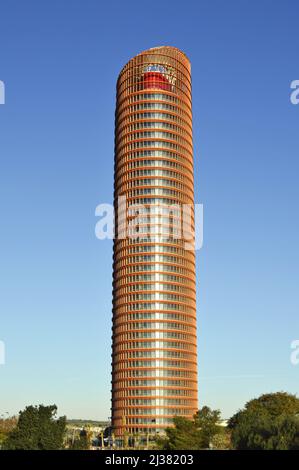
<point>152,49</point>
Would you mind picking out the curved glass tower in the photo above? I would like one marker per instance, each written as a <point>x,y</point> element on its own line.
<point>154,353</point>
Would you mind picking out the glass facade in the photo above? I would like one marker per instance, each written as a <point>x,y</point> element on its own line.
<point>154,355</point>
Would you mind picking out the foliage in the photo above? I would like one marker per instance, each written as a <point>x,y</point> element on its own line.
<point>6,427</point>
<point>192,434</point>
<point>87,422</point>
<point>81,443</point>
<point>207,421</point>
<point>221,440</point>
<point>37,429</point>
<point>268,422</point>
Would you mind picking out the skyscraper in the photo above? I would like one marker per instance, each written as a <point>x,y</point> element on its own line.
<point>154,352</point>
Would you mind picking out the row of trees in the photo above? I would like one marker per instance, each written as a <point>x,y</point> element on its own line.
<point>268,422</point>
<point>203,432</point>
<point>37,428</point>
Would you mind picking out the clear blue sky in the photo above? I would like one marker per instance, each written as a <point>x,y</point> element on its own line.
<point>60,61</point>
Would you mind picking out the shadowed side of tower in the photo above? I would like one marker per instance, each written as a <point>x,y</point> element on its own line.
<point>154,352</point>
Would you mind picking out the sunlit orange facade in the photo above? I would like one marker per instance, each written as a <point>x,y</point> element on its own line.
<point>154,352</point>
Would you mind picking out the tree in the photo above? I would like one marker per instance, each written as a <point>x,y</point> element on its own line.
<point>82,442</point>
<point>193,434</point>
<point>183,435</point>
<point>268,422</point>
<point>6,427</point>
<point>38,428</point>
<point>207,421</point>
<point>285,434</point>
<point>221,440</point>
